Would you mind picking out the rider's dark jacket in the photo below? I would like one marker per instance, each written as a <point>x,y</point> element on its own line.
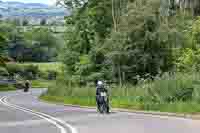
<point>98,92</point>
<point>100,89</point>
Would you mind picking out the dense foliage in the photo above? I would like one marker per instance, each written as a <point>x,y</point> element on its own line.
<point>38,45</point>
<point>119,41</point>
<point>150,48</point>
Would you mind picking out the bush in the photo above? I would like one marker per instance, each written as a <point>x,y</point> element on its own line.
<point>3,72</point>
<point>20,85</point>
<point>189,59</point>
<point>172,88</point>
<point>31,72</point>
<point>52,75</point>
<point>14,69</point>
<point>48,75</point>
<point>196,31</point>
<point>43,75</point>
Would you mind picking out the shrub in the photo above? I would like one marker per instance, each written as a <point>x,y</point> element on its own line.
<point>30,72</point>
<point>20,85</point>
<point>3,72</point>
<point>14,69</point>
<point>196,31</point>
<point>43,75</point>
<point>52,75</point>
<point>172,88</point>
<point>26,71</point>
<point>189,59</point>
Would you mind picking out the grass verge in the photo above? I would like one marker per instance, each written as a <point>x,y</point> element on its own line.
<point>41,83</point>
<point>125,103</point>
<point>82,101</point>
<point>7,88</point>
<point>176,93</point>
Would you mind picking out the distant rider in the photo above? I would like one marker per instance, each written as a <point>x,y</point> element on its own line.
<point>27,85</point>
<point>100,88</point>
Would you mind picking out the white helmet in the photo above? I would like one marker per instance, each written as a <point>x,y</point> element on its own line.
<point>99,83</point>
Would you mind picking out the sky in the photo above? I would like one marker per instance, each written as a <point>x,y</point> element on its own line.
<point>50,2</point>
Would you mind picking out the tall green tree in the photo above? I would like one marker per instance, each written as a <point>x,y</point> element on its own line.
<point>119,40</point>
<point>43,22</point>
<point>89,25</point>
<point>133,48</point>
<point>44,44</point>
<point>2,50</point>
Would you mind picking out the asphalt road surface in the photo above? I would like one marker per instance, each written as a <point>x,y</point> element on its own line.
<point>22,113</point>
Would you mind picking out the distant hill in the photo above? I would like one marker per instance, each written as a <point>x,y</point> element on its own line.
<point>19,9</point>
<point>24,5</point>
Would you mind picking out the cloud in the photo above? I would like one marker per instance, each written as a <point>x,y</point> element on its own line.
<point>51,2</point>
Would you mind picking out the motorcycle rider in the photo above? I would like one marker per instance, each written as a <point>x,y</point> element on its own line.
<point>100,88</point>
<point>27,86</point>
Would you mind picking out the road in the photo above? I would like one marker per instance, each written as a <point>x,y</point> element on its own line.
<point>23,113</point>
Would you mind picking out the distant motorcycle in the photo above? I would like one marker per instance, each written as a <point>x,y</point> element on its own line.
<point>27,86</point>
<point>103,103</point>
<point>26,89</point>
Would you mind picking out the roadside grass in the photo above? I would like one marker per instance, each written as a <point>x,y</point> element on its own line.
<point>147,95</point>
<point>7,87</point>
<point>41,83</point>
<point>82,101</point>
<point>178,107</point>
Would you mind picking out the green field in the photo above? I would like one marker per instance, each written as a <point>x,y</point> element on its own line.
<point>41,83</point>
<point>7,88</point>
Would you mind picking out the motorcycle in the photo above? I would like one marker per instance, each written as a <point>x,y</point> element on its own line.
<point>103,102</point>
<point>26,89</point>
<point>27,86</point>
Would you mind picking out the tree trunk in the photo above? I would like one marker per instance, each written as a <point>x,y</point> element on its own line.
<point>113,16</point>
<point>119,74</point>
<point>124,76</point>
<point>192,5</point>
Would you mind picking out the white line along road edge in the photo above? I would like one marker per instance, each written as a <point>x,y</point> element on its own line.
<point>55,121</point>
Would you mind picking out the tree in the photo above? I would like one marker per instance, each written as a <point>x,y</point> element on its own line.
<point>6,35</point>
<point>88,27</point>
<point>43,22</point>
<point>2,44</point>
<point>142,44</point>
<point>25,22</point>
<point>43,45</point>
<point>17,22</point>
<point>192,5</point>
<point>120,39</point>
<point>14,39</point>
<point>2,50</point>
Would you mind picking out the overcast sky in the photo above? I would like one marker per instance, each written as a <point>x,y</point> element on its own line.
<point>50,2</point>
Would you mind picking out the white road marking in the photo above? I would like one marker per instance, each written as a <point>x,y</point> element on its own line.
<point>55,121</point>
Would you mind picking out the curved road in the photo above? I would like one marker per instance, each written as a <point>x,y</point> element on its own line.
<point>23,113</point>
